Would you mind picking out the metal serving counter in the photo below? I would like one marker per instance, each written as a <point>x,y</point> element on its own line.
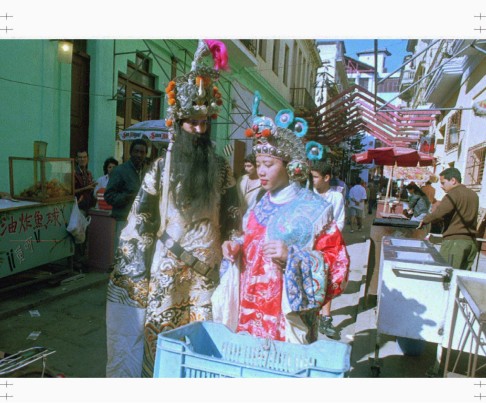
<point>413,293</point>
<point>395,227</point>
<point>416,301</point>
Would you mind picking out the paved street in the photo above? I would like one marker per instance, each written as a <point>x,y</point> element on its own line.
<point>70,318</point>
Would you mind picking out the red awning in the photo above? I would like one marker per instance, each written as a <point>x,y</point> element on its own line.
<point>400,156</point>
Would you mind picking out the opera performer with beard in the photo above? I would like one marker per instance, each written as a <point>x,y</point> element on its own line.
<point>167,263</point>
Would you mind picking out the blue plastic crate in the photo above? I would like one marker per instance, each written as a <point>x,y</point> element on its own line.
<point>211,350</point>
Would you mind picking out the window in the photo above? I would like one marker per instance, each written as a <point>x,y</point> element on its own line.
<point>475,166</point>
<point>286,66</point>
<point>453,131</point>
<point>262,49</point>
<point>137,100</point>
<point>250,44</point>
<point>276,55</point>
<point>363,82</point>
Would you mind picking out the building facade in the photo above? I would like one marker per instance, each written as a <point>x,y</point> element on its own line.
<point>79,94</point>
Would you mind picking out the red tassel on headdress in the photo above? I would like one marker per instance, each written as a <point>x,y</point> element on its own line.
<point>219,53</point>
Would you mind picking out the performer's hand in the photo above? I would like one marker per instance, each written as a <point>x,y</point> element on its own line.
<point>277,251</point>
<point>421,224</point>
<point>230,250</point>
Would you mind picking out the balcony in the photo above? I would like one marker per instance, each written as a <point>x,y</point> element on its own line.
<point>301,100</point>
<point>407,78</point>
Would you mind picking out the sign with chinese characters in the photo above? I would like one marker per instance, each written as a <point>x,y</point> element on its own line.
<point>32,235</point>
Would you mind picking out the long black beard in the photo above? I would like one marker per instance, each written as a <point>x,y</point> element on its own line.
<point>194,170</point>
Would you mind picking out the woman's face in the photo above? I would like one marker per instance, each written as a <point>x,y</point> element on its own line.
<point>272,173</point>
<point>109,168</point>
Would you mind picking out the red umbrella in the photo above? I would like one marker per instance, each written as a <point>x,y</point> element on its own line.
<point>394,156</point>
<point>399,156</point>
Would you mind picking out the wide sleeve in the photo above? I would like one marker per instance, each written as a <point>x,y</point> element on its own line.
<point>137,239</point>
<point>315,276</point>
<point>331,244</point>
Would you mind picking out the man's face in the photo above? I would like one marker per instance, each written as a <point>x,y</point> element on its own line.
<point>250,169</point>
<point>138,154</point>
<point>195,125</point>
<point>320,183</point>
<point>446,184</point>
<point>82,159</point>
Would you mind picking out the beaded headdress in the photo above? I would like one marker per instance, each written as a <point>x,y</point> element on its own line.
<point>195,93</point>
<point>281,139</point>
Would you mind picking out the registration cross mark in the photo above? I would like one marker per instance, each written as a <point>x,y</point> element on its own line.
<point>6,16</point>
<point>6,29</point>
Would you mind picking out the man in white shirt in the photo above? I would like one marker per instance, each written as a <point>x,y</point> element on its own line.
<point>321,178</point>
<point>357,197</point>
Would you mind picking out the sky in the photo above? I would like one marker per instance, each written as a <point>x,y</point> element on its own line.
<point>397,48</point>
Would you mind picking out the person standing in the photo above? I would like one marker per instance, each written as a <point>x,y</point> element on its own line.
<point>99,190</point>
<point>429,191</point>
<point>83,182</point>
<point>357,197</point>
<point>372,197</point>
<point>167,265</point>
<point>459,210</point>
<point>290,245</point>
<point>321,177</point>
<point>248,185</point>
<point>83,190</point>
<point>123,185</point>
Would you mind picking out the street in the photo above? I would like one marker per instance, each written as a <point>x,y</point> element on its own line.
<point>70,318</point>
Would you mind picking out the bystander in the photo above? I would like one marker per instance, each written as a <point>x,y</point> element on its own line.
<point>459,210</point>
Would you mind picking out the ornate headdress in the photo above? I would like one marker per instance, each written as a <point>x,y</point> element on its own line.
<point>280,139</point>
<point>195,93</point>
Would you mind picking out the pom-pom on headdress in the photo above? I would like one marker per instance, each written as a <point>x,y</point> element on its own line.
<point>195,93</point>
<point>280,139</point>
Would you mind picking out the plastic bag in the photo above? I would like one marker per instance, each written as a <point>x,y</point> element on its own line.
<point>78,224</point>
<point>226,298</point>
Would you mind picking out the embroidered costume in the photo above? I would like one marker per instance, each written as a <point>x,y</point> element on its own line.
<point>283,304</point>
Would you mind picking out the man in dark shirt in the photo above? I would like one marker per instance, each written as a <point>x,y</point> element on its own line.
<point>459,210</point>
<point>124,183</point>
<point>83,182</point>
<point>83,189</point>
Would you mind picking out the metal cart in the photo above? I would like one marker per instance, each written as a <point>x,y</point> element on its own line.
<point>416,298</point>
<point>413,294</point>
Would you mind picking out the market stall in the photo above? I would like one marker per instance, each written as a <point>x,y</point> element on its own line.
<point>396,158</point>
<point>33,225</point>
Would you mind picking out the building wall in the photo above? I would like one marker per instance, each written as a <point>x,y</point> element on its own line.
<point>35,99</point>
<point>468,88</point>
